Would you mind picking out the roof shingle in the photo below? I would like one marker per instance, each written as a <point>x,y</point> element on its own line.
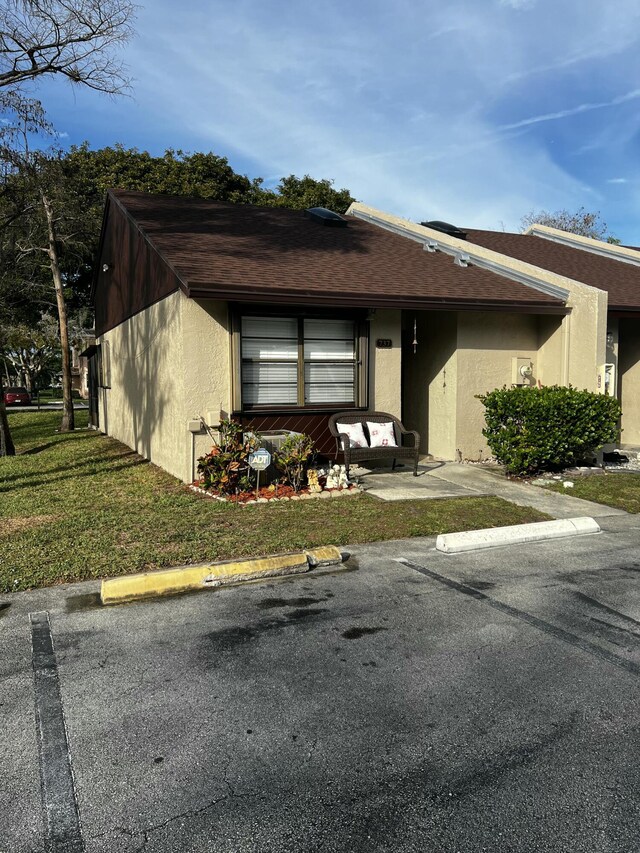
<point>621,280</point>
<point>262,253</point>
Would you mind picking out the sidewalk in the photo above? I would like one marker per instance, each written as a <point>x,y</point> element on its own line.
<point>452,479</point>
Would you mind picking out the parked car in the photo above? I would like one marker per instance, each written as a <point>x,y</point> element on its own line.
<point>16,396</point>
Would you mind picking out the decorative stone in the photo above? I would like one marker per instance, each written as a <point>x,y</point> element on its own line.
<point>324,495</point>
<point>568,484</point>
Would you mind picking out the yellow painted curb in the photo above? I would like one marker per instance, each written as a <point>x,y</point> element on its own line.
<point>170,581</point>
<point>325,555</point>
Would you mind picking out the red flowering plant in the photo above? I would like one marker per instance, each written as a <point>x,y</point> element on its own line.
<point>225,468</point>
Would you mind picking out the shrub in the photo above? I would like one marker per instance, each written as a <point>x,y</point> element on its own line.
<point>292,458</point>
<point>226,468</point>
<point>535,429</point>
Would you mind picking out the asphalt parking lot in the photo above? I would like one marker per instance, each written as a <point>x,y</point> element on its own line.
<point>409,701</point>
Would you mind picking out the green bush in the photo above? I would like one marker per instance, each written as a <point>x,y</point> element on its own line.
<point>550,428</point>
<point>225,468</point>
<point>293,457</point>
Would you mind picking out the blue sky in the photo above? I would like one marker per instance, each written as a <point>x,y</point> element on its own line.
<point>471,111</point>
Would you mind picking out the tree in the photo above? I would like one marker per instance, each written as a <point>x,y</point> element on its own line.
<point>78,40</point>
<point>30,350</point>
<point>583,222</point>
<point>47,240</point>
<point>301,193</point>
<point>90,173</point>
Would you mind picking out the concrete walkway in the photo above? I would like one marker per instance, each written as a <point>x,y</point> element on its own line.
<point>452,479</point>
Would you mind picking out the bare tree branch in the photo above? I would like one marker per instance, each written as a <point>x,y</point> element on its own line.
<point>78,39</point>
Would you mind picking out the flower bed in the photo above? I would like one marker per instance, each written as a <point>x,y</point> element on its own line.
<point>269,494</point>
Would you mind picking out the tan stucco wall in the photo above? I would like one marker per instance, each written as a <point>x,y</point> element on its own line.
<point>385,391</point>
<point>550,364</point>
<point>487,344</point>
<point>145,402</point>
<point>430,380</point>
<point>207,366</point>
<point>169,364</point>
<point>460,355</point>
<point>629,379</point>
<point>585,337</point>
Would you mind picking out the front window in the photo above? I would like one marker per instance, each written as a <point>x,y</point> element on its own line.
<point>295,361</point>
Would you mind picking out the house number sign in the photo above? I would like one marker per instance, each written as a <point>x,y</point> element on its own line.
<point>260,459</point>
<point>384,343</point>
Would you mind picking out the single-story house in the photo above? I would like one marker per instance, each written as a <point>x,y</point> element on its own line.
<point>280,318</point>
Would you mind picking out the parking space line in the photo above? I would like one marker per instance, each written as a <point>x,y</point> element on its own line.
<point>523,616</point>
<point>61,816</point>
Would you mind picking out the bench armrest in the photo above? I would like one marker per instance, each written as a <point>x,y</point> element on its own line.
<point>342,440</point>
<point>410,434</point>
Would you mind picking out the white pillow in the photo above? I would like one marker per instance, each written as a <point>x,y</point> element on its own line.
<point>382,435</point>
<point>355,432</point>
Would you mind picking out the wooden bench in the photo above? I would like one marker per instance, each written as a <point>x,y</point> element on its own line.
<point>407,441</point>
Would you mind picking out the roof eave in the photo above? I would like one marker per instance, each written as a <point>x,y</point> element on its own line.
<point>357,300</point>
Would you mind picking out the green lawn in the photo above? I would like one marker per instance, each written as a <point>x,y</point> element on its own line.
<point>81,505</point>
<point>619,490</point>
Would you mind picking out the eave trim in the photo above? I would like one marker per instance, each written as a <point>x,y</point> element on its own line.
<point>610,251</point>
<point>463,258</point>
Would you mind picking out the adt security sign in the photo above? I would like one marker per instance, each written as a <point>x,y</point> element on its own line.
<point>260,459</point>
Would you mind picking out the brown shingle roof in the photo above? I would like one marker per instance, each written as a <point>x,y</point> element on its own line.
<point>621,280</point>
<point>271,254</point>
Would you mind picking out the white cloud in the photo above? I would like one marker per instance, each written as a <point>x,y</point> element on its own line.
<point>618,181</point>
<point>572,111</point>
<point>434,110</point>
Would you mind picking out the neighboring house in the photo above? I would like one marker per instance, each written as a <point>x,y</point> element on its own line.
<point>280,318</point>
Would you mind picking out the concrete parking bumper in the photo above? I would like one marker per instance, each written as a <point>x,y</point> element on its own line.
<point>186,578</point>
<point>517,534</point>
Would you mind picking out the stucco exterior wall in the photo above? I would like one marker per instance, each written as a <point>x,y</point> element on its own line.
<point>143,408</point>
<point>441,358</point>
<point>585,330</point>
<point>169,364</point>
<point>429,380</point>
<point>462,354</point>
<point>551,367</point>
<point>207,370</point>
<point>487,344</point>
<point>385,365</point>
<point>629,379</point>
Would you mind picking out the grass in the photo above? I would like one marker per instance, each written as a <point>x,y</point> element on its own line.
<point>81,505</point>
<point>619,490</point>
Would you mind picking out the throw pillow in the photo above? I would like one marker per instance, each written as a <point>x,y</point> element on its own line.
<point>382,435</point>
<point>356,434</point>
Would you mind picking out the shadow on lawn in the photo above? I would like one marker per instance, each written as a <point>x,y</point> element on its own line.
<point>41,478</point>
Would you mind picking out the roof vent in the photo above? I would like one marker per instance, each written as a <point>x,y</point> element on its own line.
<point>326,217</point>
<point>446,228</point>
